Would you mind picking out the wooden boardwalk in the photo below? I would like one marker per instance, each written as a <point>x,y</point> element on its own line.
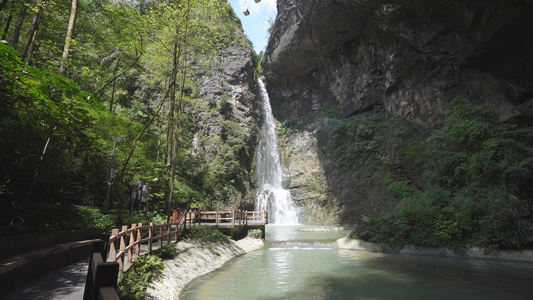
<point>125,244</point>
<point>112,257</point>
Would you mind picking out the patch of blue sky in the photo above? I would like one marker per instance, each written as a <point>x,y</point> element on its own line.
<point>257,23</point>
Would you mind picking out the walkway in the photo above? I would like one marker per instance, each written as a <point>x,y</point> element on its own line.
<point>126,244</point>
<point>62,284</point>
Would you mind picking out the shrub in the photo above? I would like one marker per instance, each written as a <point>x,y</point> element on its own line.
<point>135,281</point>
<point>399,189</point>
<point>48,217</point>
<point>255,233</point>
<point>166,252</point>
<point>205,234</point>
<point>91,218</point>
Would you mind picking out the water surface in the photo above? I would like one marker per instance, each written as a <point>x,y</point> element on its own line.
<point>303,273</point>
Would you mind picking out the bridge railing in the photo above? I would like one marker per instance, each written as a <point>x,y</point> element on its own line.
<point>125,243</point>
<point>260,216</point>
<point>223,217</point>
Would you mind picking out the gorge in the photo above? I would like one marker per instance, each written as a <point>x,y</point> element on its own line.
<point>409,122</point>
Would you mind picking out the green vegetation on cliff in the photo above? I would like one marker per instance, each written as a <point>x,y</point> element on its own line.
<point>465,183</point>
<point>477,188</point>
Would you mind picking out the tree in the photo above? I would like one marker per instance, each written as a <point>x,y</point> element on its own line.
<point>25,49</point>
<point>68,38</point>
<point>8,22</point>
<point>195,22</point>
<point>18,26</point>
<point>3,3</point>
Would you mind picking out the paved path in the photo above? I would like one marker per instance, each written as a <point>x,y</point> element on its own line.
<point>61,284</point>
<point>67,283</point>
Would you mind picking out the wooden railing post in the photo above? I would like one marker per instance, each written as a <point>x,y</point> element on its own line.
<point>131,243</point>
<point>150,236</point>
<point>176,232</point>
<point>161,234</point>
<point>138,240</point>
<point>184,216</point>
<point>113,246</point>
<point>169,230</point>
<point>122,246</point>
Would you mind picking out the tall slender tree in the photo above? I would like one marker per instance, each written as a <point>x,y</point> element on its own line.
<point>32,31</point>
<point>3,4</point>
<point>8,23</point>
<point>20,21</point>
<point>68,38</point>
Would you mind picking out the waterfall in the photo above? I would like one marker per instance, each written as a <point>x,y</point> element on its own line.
<point>271,196</point>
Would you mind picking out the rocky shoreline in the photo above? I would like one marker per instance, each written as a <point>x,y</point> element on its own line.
<point>472,253</point>
<point>195,259</point>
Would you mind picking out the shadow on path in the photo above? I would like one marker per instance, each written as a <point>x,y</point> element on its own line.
<point>64,283</point>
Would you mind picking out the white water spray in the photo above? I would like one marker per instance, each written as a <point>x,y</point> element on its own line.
<point>271,196</point>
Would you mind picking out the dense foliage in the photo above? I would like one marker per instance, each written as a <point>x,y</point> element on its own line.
<point>129,89</point>
<point>478,187</point>
<point>464,184</point>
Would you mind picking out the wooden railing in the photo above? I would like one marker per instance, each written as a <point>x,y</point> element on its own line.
<point>223,217</point>
<point>102,276</point>
<point>125,244</point>
<point>260,216</point>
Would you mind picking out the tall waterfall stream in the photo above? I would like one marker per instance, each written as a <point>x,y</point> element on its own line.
<point>271,196</point>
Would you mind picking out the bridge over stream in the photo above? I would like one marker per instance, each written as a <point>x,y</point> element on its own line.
<point>114,253</point>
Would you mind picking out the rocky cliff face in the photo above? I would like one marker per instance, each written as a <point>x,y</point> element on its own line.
<point>408,57</point>
<point>226,124</point>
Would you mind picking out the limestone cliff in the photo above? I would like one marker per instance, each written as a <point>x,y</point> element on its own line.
<point>410,58</point>
<point>225,124</point>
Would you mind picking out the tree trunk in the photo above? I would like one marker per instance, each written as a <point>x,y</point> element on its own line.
<point>16,32</point>
<point>170,134</point>
<point>3,3</point>
<point>29,55</point>
<point>180,58</point>
<point>68,38</point>
<point>112,97</point>
<point>23,52</point>
<point>8,23</point>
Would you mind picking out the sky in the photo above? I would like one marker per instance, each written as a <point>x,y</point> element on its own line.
<point>256,24</point>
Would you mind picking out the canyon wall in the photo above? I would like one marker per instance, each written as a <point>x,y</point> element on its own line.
<point>400,62</point>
